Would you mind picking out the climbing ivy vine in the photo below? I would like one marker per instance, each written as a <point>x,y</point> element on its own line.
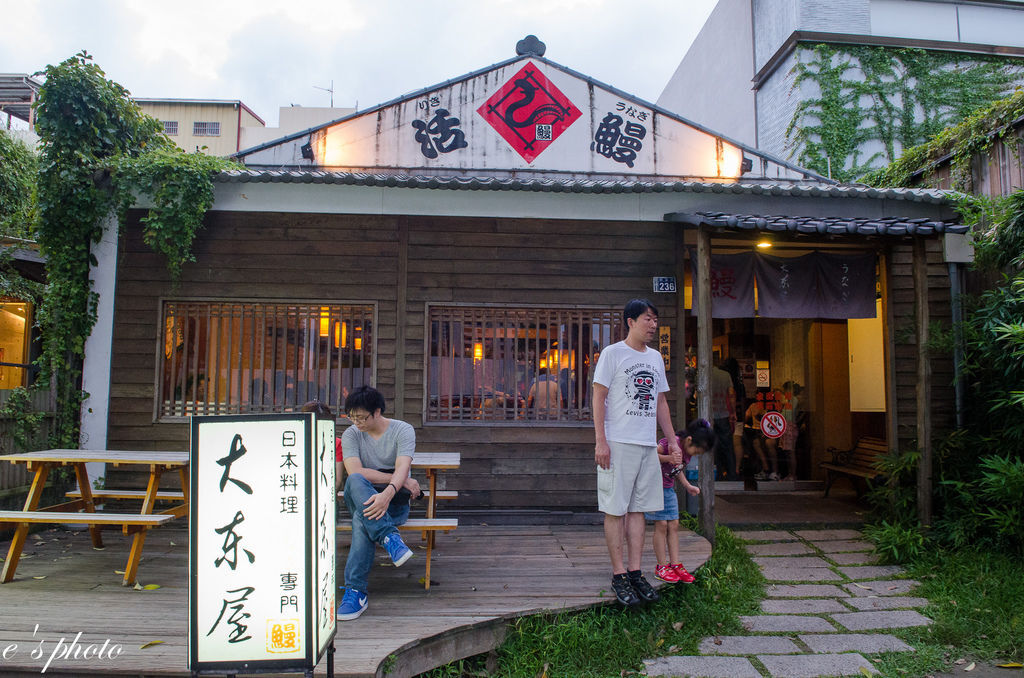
<point>17,187</point>
<point>872,102</point>
<point>20,168</point>
<point>972,136</point>
<point>99,153</point>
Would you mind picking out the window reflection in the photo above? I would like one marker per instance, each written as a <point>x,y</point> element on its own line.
<point>239,357</point>
<point>15,329</point>
<point>512,365</point>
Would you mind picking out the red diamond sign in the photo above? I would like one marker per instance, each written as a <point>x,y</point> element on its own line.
<point>529,112</point>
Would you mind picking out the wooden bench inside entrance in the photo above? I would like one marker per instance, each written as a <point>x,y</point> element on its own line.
<point>858,462</point>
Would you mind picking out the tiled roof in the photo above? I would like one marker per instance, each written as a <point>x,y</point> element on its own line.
<point>891,226</point>
<point>576,185</point>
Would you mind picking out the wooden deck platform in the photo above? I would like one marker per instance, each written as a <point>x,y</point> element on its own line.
<point>482,577</point>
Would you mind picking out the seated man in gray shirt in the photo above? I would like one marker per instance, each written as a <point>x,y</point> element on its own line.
<point>377,454</point>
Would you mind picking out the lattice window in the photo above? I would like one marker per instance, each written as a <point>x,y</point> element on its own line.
<point>206,129</point>
<point>515,365</point>
<point>231,357</point>
<point>171,128</point>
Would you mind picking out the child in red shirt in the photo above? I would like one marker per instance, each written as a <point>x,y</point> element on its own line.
<point>697,438</point>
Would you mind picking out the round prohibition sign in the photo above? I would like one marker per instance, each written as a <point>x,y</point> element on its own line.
<point>773,424</point>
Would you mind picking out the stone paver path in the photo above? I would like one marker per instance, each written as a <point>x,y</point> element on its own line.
<point>810,626</point>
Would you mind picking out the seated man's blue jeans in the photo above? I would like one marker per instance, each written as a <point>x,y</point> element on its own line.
<point>366,533</point>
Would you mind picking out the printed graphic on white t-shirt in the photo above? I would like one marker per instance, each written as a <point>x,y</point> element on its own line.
<point>634,380</point>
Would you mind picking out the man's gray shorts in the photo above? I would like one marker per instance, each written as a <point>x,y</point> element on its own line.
<point>633,483</point>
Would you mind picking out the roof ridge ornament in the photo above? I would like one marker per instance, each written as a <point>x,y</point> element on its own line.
<point>530,46</point>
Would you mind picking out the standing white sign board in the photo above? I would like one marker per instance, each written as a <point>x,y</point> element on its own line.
<point>261,543</point>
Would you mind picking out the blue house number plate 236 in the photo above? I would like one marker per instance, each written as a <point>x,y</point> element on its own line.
<point>665,284</point>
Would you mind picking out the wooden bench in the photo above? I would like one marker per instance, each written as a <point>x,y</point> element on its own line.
<point>861,461</point>
<point>424,525</point>
<point>126,520</point>
<point>442,495</point>
<point>98,495</point>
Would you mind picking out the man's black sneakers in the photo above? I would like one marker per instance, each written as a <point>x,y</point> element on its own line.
<point>624,592</point>
<point>642,587</point>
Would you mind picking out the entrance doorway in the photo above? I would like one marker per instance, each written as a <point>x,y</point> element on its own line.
<point>803,386</point>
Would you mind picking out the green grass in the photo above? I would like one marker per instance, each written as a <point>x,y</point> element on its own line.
<point>977,604</point>
<point>607,640</point>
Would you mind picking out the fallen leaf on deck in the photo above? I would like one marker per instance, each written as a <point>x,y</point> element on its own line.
<point>137,587</point>
<point>173,544</point>
<point>42,576</point>
<point>718,641</point>
<point>118,571</point>
<point>151,587</point>
<point>865,671</point>
<point>861,586</point>
<point>151,644</point>
<point>99,548</point>
<point>969,667</point>
<point>892,588</point>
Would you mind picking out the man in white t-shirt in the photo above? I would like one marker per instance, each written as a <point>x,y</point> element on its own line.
<point>629,407</point>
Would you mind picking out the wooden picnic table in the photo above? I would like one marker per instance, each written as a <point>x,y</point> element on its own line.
<point>82,507</point>
<point>431,463</point>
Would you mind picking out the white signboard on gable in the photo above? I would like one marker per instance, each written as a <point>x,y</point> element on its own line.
<point>261,542</point>
<point>527,114</point>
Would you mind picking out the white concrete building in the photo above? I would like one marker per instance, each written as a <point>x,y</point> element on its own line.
<point>740,75</point>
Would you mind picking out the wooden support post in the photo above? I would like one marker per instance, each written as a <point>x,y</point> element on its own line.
<point>706,465</point>
<point>680,342</point>
<point>924,379</point>
<point>401,295</point>
<point>82,475</point>
<point>889,324</point>
<point>35,493</point>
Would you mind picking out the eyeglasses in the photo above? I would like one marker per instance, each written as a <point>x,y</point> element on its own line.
<point>359,419</point>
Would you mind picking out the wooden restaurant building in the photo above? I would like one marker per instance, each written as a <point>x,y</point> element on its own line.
<point>468,248</point>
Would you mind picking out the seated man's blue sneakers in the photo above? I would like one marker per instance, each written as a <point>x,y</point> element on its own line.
<point>353,604</point>
<point>397,549</point>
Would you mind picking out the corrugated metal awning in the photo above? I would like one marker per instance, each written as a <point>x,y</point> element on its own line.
<point>590,185</point>
<point>862,226</point>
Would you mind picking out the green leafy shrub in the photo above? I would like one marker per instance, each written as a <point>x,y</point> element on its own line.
<point>17,187</point>
<point>25,422</point>
<point>897,543</point>
<point>895,500</point>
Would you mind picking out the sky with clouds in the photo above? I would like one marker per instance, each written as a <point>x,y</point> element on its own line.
<point>273,53</point>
